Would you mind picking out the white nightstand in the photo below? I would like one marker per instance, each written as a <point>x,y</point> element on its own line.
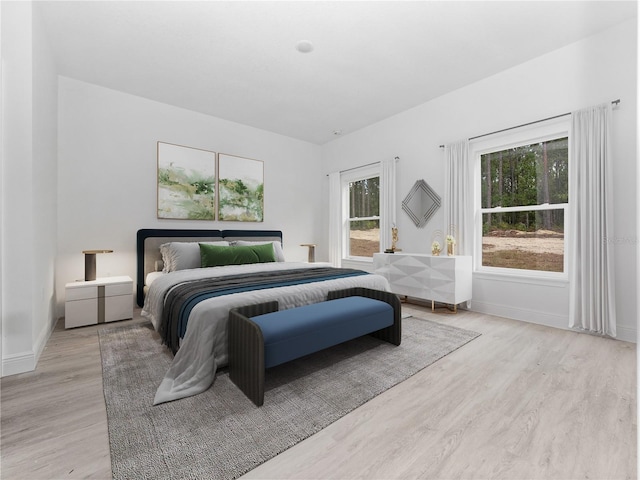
<point>98,301</point>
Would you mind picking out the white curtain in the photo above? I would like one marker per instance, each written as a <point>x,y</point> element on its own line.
<point>592,300</point>
<point>387,200</point>
<point>458,197</point>
<point>335,219</point>
<point>387,207</point>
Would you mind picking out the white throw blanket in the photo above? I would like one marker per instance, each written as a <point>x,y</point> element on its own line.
<point>204,347</point>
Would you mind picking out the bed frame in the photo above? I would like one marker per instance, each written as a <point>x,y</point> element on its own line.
<point>149,241</point>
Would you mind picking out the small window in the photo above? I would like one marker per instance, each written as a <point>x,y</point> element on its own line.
<point>363,221</point>
<point>524,201</point>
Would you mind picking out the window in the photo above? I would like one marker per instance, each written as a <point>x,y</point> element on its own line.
<point>524,198</point>
<point>361,192</point>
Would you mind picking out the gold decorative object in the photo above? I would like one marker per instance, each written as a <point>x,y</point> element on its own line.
<point>394,238</point>
<point>451,242</point>
<point>436,243</point>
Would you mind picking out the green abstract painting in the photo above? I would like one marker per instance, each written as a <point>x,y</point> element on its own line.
<point>241,189</point>
<point>186,182</point>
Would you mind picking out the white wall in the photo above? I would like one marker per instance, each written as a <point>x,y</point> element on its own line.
<point>107,171</point>
<point>17,274</point>
<point>28,187</point>
<point>595,70</point>
<point>45,186</point>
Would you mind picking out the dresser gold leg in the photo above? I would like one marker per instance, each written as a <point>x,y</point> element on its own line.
<point>447,307</point>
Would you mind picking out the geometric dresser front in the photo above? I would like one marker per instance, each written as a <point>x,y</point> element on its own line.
<point>441,279</point>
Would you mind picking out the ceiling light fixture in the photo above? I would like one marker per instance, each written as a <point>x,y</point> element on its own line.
<point>304,46</point>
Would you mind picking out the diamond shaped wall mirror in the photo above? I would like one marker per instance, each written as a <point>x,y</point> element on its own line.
<point>421,203</point>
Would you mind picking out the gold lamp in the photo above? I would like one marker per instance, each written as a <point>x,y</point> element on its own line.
<point>312,251</point>
<point>90,263</point>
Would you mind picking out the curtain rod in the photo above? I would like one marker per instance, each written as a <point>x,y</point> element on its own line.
<point>614,103</point>
<point>362,166</point>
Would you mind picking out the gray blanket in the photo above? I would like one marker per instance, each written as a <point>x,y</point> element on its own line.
<point>183,298</point>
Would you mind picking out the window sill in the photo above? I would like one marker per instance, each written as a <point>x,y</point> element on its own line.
<point>525,278</point>
<point>363,263</point>
<point>358,260</point>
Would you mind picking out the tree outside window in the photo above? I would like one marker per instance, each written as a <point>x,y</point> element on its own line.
<point>524,195</point>
<point>364,217</point>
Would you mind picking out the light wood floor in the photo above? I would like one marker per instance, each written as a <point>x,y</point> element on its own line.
<point>520,402</point>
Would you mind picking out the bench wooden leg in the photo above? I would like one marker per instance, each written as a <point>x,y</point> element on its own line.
<point>246,350</point>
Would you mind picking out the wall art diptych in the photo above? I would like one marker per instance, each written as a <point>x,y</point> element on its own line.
<point>186,182</point>
<point>240,189</point>
<point>196,184</point>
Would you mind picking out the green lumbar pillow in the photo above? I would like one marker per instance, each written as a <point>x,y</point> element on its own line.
<point>217,256</point>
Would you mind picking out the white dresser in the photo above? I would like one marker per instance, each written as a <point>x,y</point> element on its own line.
<point>439,279</point>
<point>98,301</point>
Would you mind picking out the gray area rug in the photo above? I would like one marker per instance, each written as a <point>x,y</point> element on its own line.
<point>220,433</point>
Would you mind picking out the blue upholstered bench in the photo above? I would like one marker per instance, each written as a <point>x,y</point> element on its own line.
<point>261,337</point>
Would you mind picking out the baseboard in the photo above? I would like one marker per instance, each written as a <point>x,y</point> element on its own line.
<point>626,334</point>
<point>43,338</point>
<point>18,363</point>
<point>523,314</point>
<point>27,361</point>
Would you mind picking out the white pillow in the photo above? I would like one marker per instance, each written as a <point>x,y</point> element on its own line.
<point>151,276</point>
<point>183,255</point>
<point>277,247</point>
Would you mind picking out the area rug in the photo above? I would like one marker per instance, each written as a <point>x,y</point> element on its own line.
<point>220,433</point>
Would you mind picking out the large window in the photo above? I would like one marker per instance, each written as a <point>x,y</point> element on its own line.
<point>524,204</point>
<point>362,194</point>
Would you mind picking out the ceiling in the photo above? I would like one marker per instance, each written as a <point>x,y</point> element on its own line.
<point>371,59</point>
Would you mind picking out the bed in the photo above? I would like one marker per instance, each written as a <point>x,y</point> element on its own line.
<point>189,305</point>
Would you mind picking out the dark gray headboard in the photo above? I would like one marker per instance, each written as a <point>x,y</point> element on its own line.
<point>149,241</point>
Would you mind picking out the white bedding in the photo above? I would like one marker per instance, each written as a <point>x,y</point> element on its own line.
<point>204,347</point>
<point>151,277</point>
